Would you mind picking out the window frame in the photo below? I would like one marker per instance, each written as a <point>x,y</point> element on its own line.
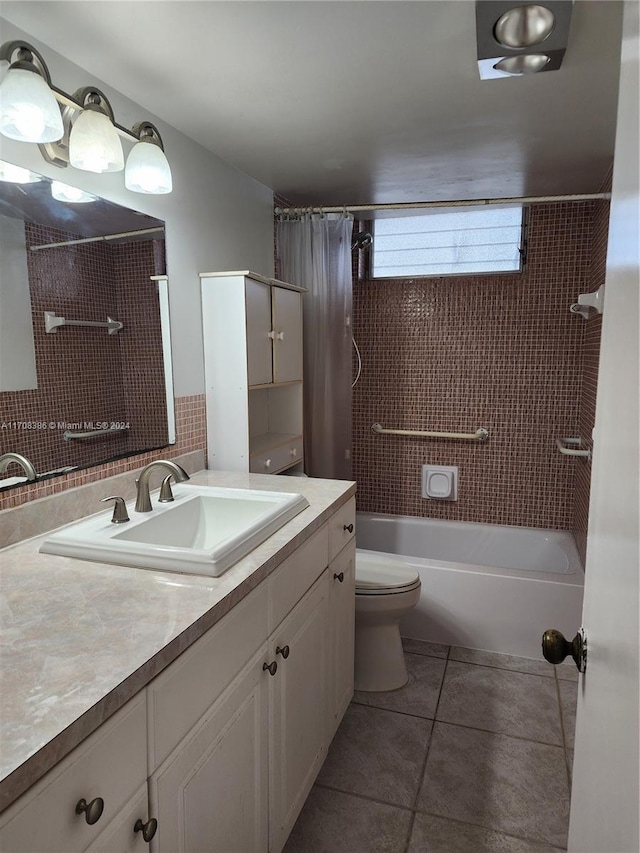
<point>369,267</point>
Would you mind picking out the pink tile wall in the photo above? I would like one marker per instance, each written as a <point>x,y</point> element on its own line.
<point>495,351</point>
<point>191,434</point>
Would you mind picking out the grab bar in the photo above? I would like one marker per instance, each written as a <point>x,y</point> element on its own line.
<point>68,434</point>
<point>481,434</point>
<point>567,451</point>
<point>51,323</point>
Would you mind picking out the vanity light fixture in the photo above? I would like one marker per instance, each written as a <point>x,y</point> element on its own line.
<point>147,168</point>
<point>29,111</point>
<point>518,39</point>
<point>76,130</point>
<point>17,175</point>
<point>72,195</point>
<point>94,144</point>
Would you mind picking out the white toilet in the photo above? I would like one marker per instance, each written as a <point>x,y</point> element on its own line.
<point>386,589</point>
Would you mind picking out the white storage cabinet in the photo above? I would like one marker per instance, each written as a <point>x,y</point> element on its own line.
<point>252,330</point>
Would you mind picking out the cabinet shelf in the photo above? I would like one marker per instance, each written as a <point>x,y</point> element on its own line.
<point>270,441</point>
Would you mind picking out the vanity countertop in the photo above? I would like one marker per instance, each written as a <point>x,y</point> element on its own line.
<point>79,639</point>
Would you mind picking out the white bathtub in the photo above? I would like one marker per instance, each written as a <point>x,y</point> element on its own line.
<point>483,586</point>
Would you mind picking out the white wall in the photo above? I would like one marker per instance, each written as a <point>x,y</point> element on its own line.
<point>216,218</point>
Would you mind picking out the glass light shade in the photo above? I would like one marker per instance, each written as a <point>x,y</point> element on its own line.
<point>63,192</point>
<point>29,111</point>
<point>148,170</point>
<point>524,26</point>
<point>524,64</point>
<point>16,174</point>
<point>94,144</point>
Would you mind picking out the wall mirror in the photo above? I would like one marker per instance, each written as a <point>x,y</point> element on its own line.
<point>85,360</point>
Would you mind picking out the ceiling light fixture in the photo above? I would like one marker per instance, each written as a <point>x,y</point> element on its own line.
<point>509,37</point>
<point>76,130</point>
<point>529,63</point>
<point>524,26</point>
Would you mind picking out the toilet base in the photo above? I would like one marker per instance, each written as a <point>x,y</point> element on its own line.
<point>379,659</point>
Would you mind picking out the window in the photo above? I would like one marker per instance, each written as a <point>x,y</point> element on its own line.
<point>449,241</point>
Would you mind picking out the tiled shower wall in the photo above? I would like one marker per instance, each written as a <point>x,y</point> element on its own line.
<point>495,351</point>
<point>84,374</point>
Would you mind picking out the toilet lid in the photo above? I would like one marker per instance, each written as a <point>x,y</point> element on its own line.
<point>378,571</point>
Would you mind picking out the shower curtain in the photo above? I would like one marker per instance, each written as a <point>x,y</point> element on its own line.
<point>314,251</point>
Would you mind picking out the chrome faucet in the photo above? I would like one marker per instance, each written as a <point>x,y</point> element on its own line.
<point>28,468</point>
<point>143,501</point>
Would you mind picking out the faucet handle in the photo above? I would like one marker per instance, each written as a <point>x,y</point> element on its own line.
<point>120,514</point>
<point>166,495</point>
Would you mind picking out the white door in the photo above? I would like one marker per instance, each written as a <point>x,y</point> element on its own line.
<point>604,805</point>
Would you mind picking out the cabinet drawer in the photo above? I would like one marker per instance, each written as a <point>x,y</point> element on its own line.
<point>293,578</point>
<point>342,526</point>
<point>202,673</point>
<point>276,458</point>
<point>119,836</point>
<point>110,764</point>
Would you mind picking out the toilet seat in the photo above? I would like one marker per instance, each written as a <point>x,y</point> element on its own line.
<point>381,574</point>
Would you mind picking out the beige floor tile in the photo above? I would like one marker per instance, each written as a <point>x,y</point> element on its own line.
<point>419,696</point>
<point>505,784</point>
<point>438,835</point>
<point>422,647</point>
<point>568,700</point>
<point>333,822</point>
<point>497,700</point>
<point>517,664</point>
<point>378,754</point>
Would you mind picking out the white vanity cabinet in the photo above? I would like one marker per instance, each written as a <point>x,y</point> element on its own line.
<point>109,766</point>
<point>223,746</point>
<point>252,331</point>
<point>237,780</point>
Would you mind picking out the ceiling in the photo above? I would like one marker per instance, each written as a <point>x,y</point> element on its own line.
<point>353,102</point>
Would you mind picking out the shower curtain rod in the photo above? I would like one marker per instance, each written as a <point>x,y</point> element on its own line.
<point>475,202</point>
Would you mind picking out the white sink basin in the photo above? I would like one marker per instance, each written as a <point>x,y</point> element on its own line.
<point>205,531</point>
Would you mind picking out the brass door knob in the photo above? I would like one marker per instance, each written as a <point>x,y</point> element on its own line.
<point>555,648</point>
<point>147,829</point>
<point>92,811</point>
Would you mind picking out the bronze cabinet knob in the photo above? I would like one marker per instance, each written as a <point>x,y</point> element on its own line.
<point>338,577</point>
<point>284,651</point>
<point>348,528</point>
<point>92,811</point>
<point>555,648</point>
<point>271,668</point>
<point>147,829</point>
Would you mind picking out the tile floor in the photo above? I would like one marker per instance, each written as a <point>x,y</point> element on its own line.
<point>473,755</point>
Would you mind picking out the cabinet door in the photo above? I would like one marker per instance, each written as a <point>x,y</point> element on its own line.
<point>287,325</point>
<point>299,703</point>
<point>259,330</point>
<point>342,611</point>
<point>119,836</point>
<point>211,793</point>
